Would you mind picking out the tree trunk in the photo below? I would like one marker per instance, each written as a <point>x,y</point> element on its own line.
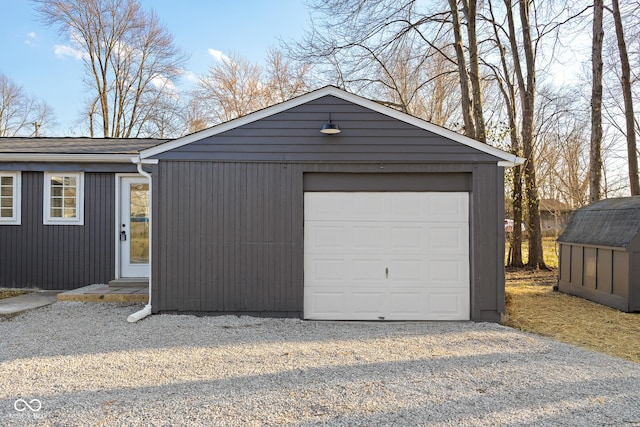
<point>516,235</point>
<point>469,10</point>
<point>467,108</point>
<point>628,101</point>
<point>536,258</point>
<point>595,152</point>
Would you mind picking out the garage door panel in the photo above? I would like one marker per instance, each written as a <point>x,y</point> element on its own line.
<point>369,236</point>
<point>325,237</point>
<point>404,305</point>
<point>446,305</point>
<point>448,207</point>
<point>448,238</point>
<point>326,304</point>
<point>447,271</point>
<point>367,270</point>
<point>406,270</point>
<point>393,256</point>
<point>367,303</point>
<point>326,270</point>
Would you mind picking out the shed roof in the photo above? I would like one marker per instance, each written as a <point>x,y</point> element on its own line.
<point>45,149</point>
<point>610,222</point>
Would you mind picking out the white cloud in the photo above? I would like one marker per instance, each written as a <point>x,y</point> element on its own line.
<point>162,83</point>
<point>190,76</point>
<point>64,50</point>
<point>31,39</point>
<point>218,55</point>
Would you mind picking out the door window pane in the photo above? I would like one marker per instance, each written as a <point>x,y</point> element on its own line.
<point>139,224</point>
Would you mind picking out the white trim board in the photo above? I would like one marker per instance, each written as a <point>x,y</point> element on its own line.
<point>506,158</point>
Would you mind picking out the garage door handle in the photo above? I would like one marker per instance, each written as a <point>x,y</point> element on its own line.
<point>386,272</point>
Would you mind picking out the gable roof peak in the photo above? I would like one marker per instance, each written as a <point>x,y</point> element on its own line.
<point>506,159</point>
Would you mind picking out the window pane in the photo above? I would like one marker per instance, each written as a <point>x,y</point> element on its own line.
<point>56,181</point>
<point>6,180</point>
<point>69,213</point>
<point>6,202</point>
<point>6,212</point>
<point>56,191</point>
<point>69,202</point>
<point>69,181</point>
<point>56,202</point>
<point>6,191</point>
<point>56,213</point>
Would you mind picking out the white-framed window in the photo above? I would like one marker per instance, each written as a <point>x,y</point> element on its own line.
<point>10,190</point>
<point>63,198</point>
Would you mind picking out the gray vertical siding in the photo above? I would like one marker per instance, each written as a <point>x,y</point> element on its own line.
<point>487,243</point>
<point>228,237</point>
<point>60,256</point>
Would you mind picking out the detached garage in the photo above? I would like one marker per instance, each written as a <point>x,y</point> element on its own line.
<point>328,206</point>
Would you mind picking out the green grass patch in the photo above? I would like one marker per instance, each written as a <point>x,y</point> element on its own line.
<point>549,251</point>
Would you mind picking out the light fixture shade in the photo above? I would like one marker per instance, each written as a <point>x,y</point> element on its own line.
<point>330,128</point>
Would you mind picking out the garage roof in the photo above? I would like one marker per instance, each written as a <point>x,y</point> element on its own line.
<point>505,159</point>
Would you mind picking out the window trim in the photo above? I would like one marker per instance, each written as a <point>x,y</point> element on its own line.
<point>46,205</point>
<point>16,219</point>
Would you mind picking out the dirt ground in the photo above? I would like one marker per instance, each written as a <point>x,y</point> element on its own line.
<point>533,306</point>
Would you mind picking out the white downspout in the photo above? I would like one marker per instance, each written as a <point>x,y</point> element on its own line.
<point>146,310</point>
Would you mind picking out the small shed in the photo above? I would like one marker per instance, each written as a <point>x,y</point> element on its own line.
<point>600,254</point>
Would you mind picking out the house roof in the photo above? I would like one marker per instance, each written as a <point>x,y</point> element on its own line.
<point>505,159</point>
<point>73,149</point>
<point>553,205</point>
<point>610,222</point>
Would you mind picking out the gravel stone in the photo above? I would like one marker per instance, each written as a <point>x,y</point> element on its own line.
<point>87,365</point>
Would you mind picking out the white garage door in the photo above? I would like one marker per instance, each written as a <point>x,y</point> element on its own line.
<point>386,256</point>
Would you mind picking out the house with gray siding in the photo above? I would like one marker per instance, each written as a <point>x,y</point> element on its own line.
<point>61,217</point>
<point>326,206</point>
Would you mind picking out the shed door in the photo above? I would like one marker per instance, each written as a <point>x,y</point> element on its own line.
<point>386,256</point>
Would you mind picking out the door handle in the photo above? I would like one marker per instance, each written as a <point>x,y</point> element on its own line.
<point>123,236</point>
<point>386,272</point>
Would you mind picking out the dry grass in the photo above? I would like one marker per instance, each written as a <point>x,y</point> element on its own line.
<point>533,306</point>
<point>549,251</point>
<point>8,293</point>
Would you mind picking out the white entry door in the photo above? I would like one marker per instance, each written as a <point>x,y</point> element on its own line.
<point>386,256</point>
<point>134,227</point>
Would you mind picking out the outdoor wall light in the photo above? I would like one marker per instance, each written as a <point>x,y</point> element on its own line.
<point>330,128</point>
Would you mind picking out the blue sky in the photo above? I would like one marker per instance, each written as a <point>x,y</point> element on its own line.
<point>31,53</point>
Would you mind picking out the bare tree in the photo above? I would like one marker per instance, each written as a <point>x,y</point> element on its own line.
<point>284,78</point>
<point>398,53</point>
<point>234,87</point>
<point>21,114</point>
<point>231,88</point>
<point>130,60</point>
<point>625,82</point>
<point>595,152</point>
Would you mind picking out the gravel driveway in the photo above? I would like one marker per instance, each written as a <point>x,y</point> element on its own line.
<point>86,365</point>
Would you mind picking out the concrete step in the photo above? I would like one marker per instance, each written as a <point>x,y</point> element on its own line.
<point>129,282</point>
